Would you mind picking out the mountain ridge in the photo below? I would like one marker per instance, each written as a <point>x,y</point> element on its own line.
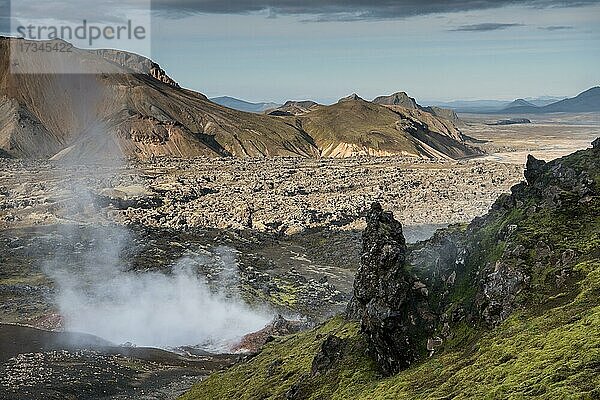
<point>586,101</point>
<point>138,111</point>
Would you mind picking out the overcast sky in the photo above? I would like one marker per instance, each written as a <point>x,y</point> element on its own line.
<point>324,49</point>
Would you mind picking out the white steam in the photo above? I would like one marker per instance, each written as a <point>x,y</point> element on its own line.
<point>154,308</point>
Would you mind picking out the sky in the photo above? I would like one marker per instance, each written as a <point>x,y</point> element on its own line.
<point>276,50</point>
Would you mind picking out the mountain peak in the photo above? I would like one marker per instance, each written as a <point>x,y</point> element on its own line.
<point>352,97</point>
<point>520,103</point>
<point>401,99</point>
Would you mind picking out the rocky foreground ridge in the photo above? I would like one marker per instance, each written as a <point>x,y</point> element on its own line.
<point>128,106</point>
<point>408,303</point>
<point>507,305</point>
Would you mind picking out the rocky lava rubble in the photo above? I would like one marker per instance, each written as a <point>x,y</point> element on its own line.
<point>280,195</point>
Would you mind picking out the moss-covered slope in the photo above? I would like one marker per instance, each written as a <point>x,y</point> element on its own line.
<point>520,319</point>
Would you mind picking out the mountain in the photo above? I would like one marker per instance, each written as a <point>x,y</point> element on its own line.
<point>125,104</point>
<point>126,111</point>
<point>354,127</point>
<point>587,101</point>
<point>242,105</point>
<point>542,101</point>
<point>505,307</point>
<point>584,102</point>
<point>520,103</point>
<point>352,97</point>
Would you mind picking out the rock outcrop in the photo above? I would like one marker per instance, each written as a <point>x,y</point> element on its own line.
<point>521,254</point>
<point>328,355</point>
<point>397,99</point>
<point>138,64</point>
<point>352,97</point>
<point>390,301</point>
<point>402,99</point>
<point>533,169</point>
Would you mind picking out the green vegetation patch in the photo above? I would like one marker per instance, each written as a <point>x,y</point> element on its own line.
<point>554,355</point>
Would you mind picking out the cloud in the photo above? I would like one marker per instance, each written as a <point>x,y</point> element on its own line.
<point>485,27</point>
<point>556,28</point>
<point>346,10</point>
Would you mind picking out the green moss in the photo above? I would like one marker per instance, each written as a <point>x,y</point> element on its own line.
<point>554,355</point>
<point>286,294</point>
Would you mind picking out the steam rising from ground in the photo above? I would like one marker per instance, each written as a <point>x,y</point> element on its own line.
<point>97,295</point>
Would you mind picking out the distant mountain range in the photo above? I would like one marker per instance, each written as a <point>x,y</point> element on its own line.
<point>588,101</point>
<point>519,103</point>
<point>490,106</point>
<point>242,105</point>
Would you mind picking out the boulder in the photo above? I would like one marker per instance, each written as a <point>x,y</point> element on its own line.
<point>330,352</point>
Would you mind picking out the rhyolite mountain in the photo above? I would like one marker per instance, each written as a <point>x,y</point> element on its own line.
<point>131,111</point>
<point>137,110</point>
<point>356,127</point>
<point>507,306</point>
<point>242,105</point>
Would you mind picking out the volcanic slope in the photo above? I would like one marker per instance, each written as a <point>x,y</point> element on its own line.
<point>108,103</point>
<point>357,127</point>
<point>127,111</point>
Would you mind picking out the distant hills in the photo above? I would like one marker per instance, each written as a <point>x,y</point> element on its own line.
<point>293,107</point>
<point>490,106</point>
<point>519,103</point>
<point>242,105</point>
<point>588,101</point>
<point>138,111</point>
